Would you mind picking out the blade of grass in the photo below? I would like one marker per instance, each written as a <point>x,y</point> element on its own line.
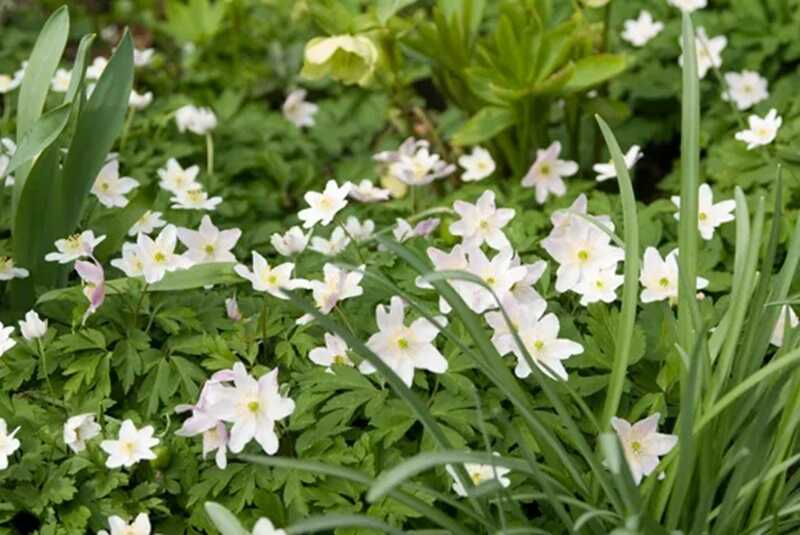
<point>225,521</point>
<point>334,521</point>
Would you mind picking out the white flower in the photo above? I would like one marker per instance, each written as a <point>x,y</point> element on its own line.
<point>503,338</point>
<point>746,89</point>
<point>523,291</point>
<point>297,111</point>
<point>74,247</point>
<point>323,207</point>
<point>709,51</point>
<point>140,526</point>
<point>232,309</point>
<point>9,83</point>
<point>365,191</point>
<point>477,165</point>
<point>6,342</point>
<point>565,220</point>
<point>547,172</point>
<point>142,58</point>
<point>762,131</point>
<point>294,241</point>
<point>202,420</point>
<point>198,121</point>
<point>482,222</point>
<point>264,527</point>
<point>8,271</point>
<point>709,215</point>
<point>131,262</point>
<point>455,260</point>
<point>194,199</point>
<point>688,5</point>
<point>639,31</point>
<point>132,445</point>
<point>175,179</point>
<point>659,277</point>
<point>581,250</point>
<point>252,406</point>
<point>606,171</point>
<point>500,274</point>
<point>414,164</point>
<point>642,444</point>
<point>158,256</point>
<point>7,150</point>
<point>539,336</point>
<point>479,473</point>
<point>333,352</point>
<point>95,70</point>
<point>80,429</point>
<point>600,285</point>
<point>405,348</point>
<point>32,327</point>
<point>337,243</point>
<point>139,101</point>
<point>147,223</point>
<point>208,243</point>
<point>110,189</point>
<point>93,278</point>
<point>336,286</point>
<point>61,80</point>
<point>359,230</point>
<point>217,438</point>
<point>268,279</point>
<point>403,230</point>
<point>780,325</point>
<point>8,444</point>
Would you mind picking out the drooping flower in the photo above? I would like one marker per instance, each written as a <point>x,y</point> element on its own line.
<point>359,230</point>
<point>265,278</point>
<point>606,171</point>
<point>709,215</point>
<point>482,222</point>
<point>217,438</point>
<point>413,163</point>
<point>780,325</point>
<point>478,474</point>
<point>8,443</point>
<point>708,50</point>
<point>640,30</point>
<point>746,89</point>
<point>405,348</point>
<point>333,352</point>
<point>323,207</point>
<point>9,271</point>
<point>762,131</point>
<point>365,191</point>
<point>547,173</point>
<point>74,247</point>
<point>176,180</point>
<point>477,165</point>
<point>336,286</point>
<point>196,120</point>
<point>208,243</point>
<point>659,277</point>
<point>9,83</point>
<point>78,430</point>
<point>297,111</point>
<point>350,59</point>
<point>293,242</point>
<point>337,243</point>
<point>195,199</point>
<point>232,309</point>
<point>110,189</point>
<point>252,406</point>
<point>140,101</point>
<point>6,342</point>
<point>403,230</point>
<point>93,278</point>
<point>147,223</point>
<point>118,526</point>
<point>32,327</point>
<point>643,444</point>
<point>132,446</point>
<point>688,5</point>
<point>61,80</point>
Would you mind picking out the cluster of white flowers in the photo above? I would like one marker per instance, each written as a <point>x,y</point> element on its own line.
<point>415,165</point>
<point>187,192</point>
<point>200,121</point>
<point>251,406</point>
<point>9,83</point>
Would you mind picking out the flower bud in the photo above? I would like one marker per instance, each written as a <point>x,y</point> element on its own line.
<point>351,59</point>
<point>32,327</point>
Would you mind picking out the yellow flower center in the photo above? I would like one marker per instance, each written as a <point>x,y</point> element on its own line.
<point>341,359</point>
<point>104,186</point>
<point>538,345</point>
<point>491,281</point>
<point>272,279</point>
<point>702,216</point>
<point>253,406</point>
<point>636,447</point>
<point>159,257</point>
<point>128,448</point>
<point>545,169</point>
<point>583,255</point>
<point>209,249</point>
<point>484,224</point>
<point>663,282</point>
<point>476,478</point>
<point>402,343</point>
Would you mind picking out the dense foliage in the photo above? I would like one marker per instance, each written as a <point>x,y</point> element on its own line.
<point>399,266</point>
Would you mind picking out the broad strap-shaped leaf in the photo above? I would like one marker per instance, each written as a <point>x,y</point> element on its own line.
<point>593,70</point>
<point>44,131</point>
<point>484,125</point>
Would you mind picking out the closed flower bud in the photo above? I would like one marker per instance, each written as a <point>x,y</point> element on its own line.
<point>351,59</point>
<point>32,327</point>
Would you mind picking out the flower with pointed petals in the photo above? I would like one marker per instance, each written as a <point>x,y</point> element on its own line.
<point>264,527</point>
<point>252,406</point>
<point>403,230</point>
<point>208,243</point>
<point>405,348</point>
<point>110,189</point>
<point>147,223</point>
<point>217,438</point>
<point>414,164</point>
<point>195,199</point>
<point>477,165</point>
<point>323,207</point>
<point>478,474</point>
<point>337,243</point>
<point>688,6</point>
<point>499,273</point>
<point>158,256</point>
<point>539,336</point>
<point>600,285</point>
<point>365,191</point>
<point>118,526</point>
<point>8,83</point>
<point>780,325</point>
<point>640,30</point>
<point>762,131</point>
<point>196,120</point>
<point>175,179</point>
<point>606,171</point>
<point>503,338</point>
<point>659,277</point>
<point>482,222</point>
<point>746,89</point>
<point>95,70</point>
<point>268,279</point>
<point>455,260</point>
<point>8,443</point>
<point>336,286</point>
<point>643,444</point>
<point>6,342</point>
<point>32,327</point>
<point>132,445</point>
<point>131,262</point>
<point>293,242</point>
<point>80,429</point>
<point>359,230</point>
<point>297,111</point>
<point>9,271</point>
<point>709,215</point>
<point>202,419</point>
<point>523,291</point>
<point>547,173</point>
<point>708,50</point>
<point>564,221</point>
<point>74,247</point>
<point>140,101</point>
<point>61,80</point>
<point>333,352</point>
<point>93,278</point>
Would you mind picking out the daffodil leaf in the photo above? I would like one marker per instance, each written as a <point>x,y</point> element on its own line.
<point>44,131</point>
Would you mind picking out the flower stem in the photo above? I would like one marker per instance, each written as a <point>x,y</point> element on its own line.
<point>126,128</point>
<point>43,356</point>
<point>209,154</point>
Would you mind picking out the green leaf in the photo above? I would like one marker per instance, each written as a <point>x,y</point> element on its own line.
<point>593,70</point>
<point>224,520</point>
<point>386,9</point>
<point>41,135</point>
<point>484,125</point>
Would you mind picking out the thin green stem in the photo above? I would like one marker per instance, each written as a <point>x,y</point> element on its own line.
<point>209,154</point>
<point>43,356</point>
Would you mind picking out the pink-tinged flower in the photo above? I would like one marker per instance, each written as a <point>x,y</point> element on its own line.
<point>642,444</point>
<point>94,284</point>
